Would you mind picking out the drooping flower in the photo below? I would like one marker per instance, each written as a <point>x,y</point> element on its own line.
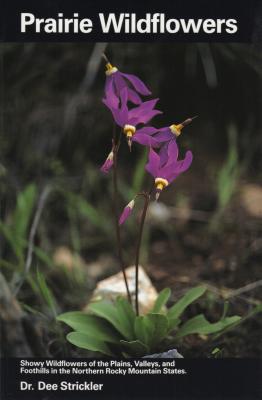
<point>116,81</point>
<point>168,170</point>
<point>171,132</point>
<point>128,119</point>
<point>126,212</point>
<point>108,163</point>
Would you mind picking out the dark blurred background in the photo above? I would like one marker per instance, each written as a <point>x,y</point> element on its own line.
<point>55,134</point>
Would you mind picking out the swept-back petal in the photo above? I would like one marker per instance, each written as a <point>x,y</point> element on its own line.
<point>145,140</point>
<point>137,84</point>
<point>119,82</point>
<point>153,163</point>
<point>148,130</point>
<point>171,171</point>
<point>133,96</point>
<point>144,118</point>
<point>163,154</point>
<point>144,107</point>
<point>172,152</point>
<point>120,116</point>
<point>183,165</point>
<point>112,100</point>
<point>164,136</point>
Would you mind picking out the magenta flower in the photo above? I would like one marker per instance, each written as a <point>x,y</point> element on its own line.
<point>116,81</point>
<point>126,212</point>
<point>171,132</point>
<point>129,119</point>
<point>108,163</point>
<point>167,170</point>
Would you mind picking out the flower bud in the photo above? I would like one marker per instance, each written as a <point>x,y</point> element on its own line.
<point>126,212</point>
<point>108,163</point>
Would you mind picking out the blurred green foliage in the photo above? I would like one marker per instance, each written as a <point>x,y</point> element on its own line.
<point>227,179</point>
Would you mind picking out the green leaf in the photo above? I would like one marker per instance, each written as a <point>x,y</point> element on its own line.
<point>201,325</point>
<point>87,342</point>
<point>108,311</point>
<point>161,300</point>
<point>85,209</point>
<point>160,327</point>
<point>150,329</point>
<point>183,303</point>
<point>14,243</point>
<point>126,316</point>
<point>24,207</point>
<point>43,256</point>
<point>16,231</point>
<point>91,325</point>
<point>173,323</point>
<point>135,348</point>
<point>252,313</point>
<point>143,329</point>
<point>46,292</point>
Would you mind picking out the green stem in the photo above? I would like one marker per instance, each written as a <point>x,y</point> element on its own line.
<point>116,208</point>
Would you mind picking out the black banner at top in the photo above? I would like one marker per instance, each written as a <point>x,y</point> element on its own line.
<point>136,21</point>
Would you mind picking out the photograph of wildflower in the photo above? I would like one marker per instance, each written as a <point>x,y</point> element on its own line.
<point>131,200</point>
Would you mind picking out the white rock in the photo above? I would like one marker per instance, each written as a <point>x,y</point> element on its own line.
<point>114,286</point>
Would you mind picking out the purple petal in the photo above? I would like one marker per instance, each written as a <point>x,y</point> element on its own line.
<point>147,130</point>
<point>110,95</point>
<point>153,163</point>
<point>126,212</point>
<point>183,165</point>
<point>120,116</point>
<point>164,135</point>
<point>144,118</point>
<point>163,154</point>
<point>145,140</point>
<point>119,82</point>
<point>108,81</point>
<point>172,152</point>
<point>124,97</point>
<point>171,171</point>
<point>133,96</point>
<point>142,108</point>
<point>138,84</point>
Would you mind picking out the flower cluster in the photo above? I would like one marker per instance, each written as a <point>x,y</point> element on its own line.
<point>124,97</point>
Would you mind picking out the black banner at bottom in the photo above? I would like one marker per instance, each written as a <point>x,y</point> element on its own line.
<point>130,379</point>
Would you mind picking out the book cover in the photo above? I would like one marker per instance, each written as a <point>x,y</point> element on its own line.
<point>131,200</point>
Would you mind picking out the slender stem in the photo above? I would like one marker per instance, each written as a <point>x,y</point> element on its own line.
<point>40,207</point>
<point>116,208</point>
<point>105,58</point>
<point>138,247</point>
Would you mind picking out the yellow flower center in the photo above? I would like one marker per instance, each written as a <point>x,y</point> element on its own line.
<point>129,130</point>
<point>110,69</point>
<point>161,183</point>
<point>176,129</point>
